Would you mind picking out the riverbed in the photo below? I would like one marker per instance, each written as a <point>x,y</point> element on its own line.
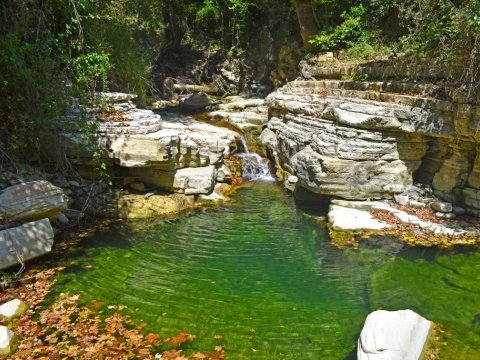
<point>261,275</point>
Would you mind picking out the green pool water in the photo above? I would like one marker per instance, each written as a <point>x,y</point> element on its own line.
<point>262,273</point>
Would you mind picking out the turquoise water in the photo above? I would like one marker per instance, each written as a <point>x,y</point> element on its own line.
<point>262,273</point>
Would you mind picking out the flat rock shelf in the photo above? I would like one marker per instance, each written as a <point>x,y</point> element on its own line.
<point>262,274</point>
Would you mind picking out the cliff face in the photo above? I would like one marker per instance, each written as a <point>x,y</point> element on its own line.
<point>364,140</point>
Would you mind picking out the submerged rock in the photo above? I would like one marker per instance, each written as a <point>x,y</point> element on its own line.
<point>393,335</point>
<point>27,242</point>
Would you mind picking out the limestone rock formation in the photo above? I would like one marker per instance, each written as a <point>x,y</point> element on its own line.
<point>247,115</point>
<point>31,201</point>
<point>366,140</point>
<point>172,151</point>
<point>393,335</point>
<point>27,241</point>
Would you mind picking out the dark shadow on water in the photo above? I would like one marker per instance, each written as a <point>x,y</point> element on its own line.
<point>352,355</point>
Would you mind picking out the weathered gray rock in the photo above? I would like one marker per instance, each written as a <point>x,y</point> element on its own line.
<point>417,204</point>
<point>291,182</point>
<point>62,218</point>
<point>401,199</point>
<point>27,241</point>
<point>72,214</point>
<point>242,120</point>
<point>292,179</point>
<point>442,215</point>
<point>457,210</point>
<point>151,148</point>
<point>194,181</point>
<point>224,174</point>
<point>115,97</point>
<point>393,335</point>
<point>31,201</point>
<point>8,341</point>
<point>195,102</point>
<point>12,309</point>
<point>442,206</point>
<point>239,103</point>
<point>349,179</point>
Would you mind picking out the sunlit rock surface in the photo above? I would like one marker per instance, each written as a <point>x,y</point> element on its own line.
<point>12,309</point>
<point>172,151</point>
<point>25,242</point>
<point>367,140</point>
<point>31,201</point>
<point>393,335</point>
<point>8,341</point>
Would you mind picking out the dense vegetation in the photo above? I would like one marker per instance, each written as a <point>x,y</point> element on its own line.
<point>52,49</point>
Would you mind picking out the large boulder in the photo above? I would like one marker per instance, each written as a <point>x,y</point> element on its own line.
<point>31,201</point>
<point>25,242</point>
<point>393,335</point>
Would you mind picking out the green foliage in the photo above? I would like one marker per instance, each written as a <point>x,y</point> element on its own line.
<point>89,69</point>
<point>344,34</point>
<point>7,279</point>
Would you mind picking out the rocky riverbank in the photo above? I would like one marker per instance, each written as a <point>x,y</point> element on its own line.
<point>368,140</point>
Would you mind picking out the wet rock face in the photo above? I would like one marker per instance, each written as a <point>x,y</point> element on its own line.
<point>361,140</point>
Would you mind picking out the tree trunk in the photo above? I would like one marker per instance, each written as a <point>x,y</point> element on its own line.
<point>175,23</point>
<point>307,21</point>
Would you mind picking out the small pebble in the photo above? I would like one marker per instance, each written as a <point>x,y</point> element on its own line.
<point>445,215</point>
<point>417,204</point>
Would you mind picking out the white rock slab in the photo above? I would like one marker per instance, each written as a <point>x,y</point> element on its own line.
<point>194,181</point>
<point>404,217</point>
<point>12,309</point>
<point>347,219</point>
<point>8,341</point>
<point>393,335</point>
<point>28,241</point>
<point>32,201</point>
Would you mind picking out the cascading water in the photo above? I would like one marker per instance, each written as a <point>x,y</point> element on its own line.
<point>254,167</point>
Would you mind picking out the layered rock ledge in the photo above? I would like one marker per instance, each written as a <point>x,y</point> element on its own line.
<point>361,140</point>
<point>172,152</point>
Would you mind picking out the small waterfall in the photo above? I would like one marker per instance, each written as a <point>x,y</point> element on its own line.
<point>254,167</point>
